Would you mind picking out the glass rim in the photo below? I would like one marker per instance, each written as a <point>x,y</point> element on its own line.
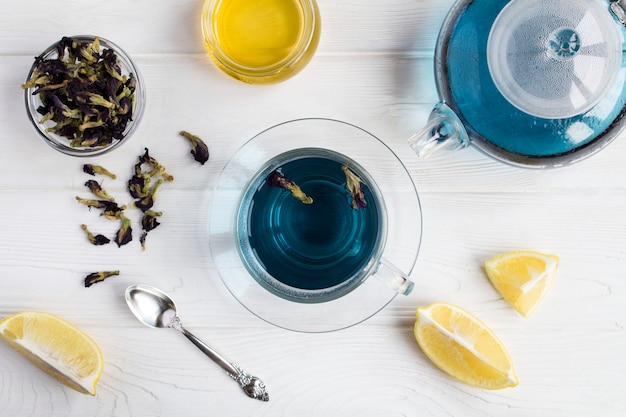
<point>305,42</point>
<point>274,285</point>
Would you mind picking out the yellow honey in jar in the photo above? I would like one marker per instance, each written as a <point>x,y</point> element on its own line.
<point>261,41</point>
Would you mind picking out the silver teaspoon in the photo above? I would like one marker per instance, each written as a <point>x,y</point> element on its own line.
<point>155,309</point>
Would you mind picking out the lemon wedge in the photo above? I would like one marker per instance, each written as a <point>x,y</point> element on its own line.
<point>463,347</point>
<point>522,277</point>
<point>57,347</point>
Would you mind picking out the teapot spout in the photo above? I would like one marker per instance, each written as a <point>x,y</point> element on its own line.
<point>444,130</point>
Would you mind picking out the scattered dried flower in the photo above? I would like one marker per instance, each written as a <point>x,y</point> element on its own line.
<point>157,168</point>
<point>97,240</point>
<point>144,204</point>
<point>100,204</point>
<point>200,150</point>
<point>97,190</point>
<point>125,232</point>
<point>149,220</point>
<point>96,277</point>
<point>142,240</point>
<point>113,212</point>
<point>97,169</point>
<point>139,188</point>
<point>138,185</point>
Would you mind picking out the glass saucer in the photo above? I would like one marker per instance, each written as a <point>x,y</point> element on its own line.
<point>404,219</point>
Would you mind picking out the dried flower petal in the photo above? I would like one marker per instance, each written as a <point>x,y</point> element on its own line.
<point>113,212</point>
<point>97,240</point>
<point>97,169</point>
<point>125,232</point>
<point>96,277</point>
<point>101,204</point>
<point>276,179</point>
<point>157,168</point>
<point>144,204</point>
<point>200,150</point>
<point>353,183</point>
<point>138,185</point>
<point>149,220</point>
<point>142,240</point>
<point>97,190</point>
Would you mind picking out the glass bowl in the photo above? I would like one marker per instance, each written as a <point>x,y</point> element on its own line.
<point>261,42</point>
<point>64,144</point>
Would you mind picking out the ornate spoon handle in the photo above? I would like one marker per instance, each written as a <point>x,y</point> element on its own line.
<point>251,385</point>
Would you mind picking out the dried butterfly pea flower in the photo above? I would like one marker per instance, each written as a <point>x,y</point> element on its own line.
<point>97,169</point>
<point>97,190</point>
<point>353,183</point>
<point>97,240</point>
<point>125,232</point>
<point>276,179</point>
<point>96,277</point>
<point>83,92</point>
<point>139,188</point>
<point>145,203</point>
<point>157,168</point>
<point>200,150</point>
<point>138,185</point>
<point>110,209</point>
<point>100,204</point>
<point>142,240</point>
<point>149,220</point>
<point>113,212</point>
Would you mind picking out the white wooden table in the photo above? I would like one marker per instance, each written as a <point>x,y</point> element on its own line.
<point>373,68</point>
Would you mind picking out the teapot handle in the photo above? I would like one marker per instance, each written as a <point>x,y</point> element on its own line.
<point>444,130</point>
<point>618,8</point>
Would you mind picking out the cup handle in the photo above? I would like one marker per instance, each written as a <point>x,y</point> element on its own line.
<point>444,130</point>
<point>393,277</point>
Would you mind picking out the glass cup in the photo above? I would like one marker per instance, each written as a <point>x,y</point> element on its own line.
<point>261,41</point>
<point>321,249</point>
<point>321,266</point>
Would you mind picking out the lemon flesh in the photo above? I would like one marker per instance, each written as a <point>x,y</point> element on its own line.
<point>463,347</point>
<point>522,278</point>
<point>57,347</point>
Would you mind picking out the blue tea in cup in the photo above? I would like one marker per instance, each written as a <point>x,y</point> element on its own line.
<point>322,245</point>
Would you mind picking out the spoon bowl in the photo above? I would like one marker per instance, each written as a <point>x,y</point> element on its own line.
<point>151,306</point>
<point>156,309</point>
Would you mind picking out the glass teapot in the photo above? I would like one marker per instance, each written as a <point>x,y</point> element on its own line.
<point>532,83</point>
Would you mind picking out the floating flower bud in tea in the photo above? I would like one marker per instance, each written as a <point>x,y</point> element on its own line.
<point>353,183</point>
<point>276,179</point>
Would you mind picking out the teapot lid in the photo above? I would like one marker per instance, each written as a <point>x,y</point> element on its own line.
<point>554,59</point>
